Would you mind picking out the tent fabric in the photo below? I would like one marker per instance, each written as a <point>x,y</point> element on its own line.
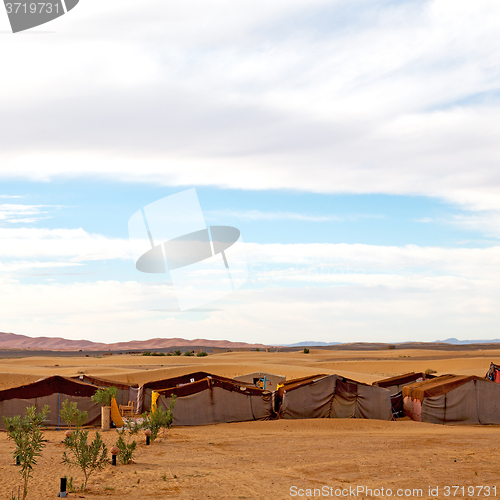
<point>436,386</point>
<point>454,400</point>
<point>396,384</point>
<point>397,405</point>
<point>52,391</point>
<point>216,400</point>
<point>126,392</point>
<point>331,396</point>
<point>187,381</point>
<point>272,379</point>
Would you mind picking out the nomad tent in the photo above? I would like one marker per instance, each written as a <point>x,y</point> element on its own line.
<point>126,392</point>
<point>494,373</point>
<point>453,399</point>
<point>146,390</point>
<point>213,400</point>
<point>395,384</point>
<point>52,391</point>
<point>332,396</point>
<point>257,379</point>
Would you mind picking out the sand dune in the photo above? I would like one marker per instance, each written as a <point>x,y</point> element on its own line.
<point>262,460</point>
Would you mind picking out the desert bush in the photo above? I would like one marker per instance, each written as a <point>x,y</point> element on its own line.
<point>188,353</point>
<point>158,419</point>
<point>88,457</point>
<point>306,350</point>
<point>177,353</point>
<point>257,349</point>
<point>158,354</point>
<point>72,415</point>
<point>430,371</point>
<point>201,354</point>
<point>104,395</point>
<point>127,448</point>
<point>27,435</point>
<point>147,353</point>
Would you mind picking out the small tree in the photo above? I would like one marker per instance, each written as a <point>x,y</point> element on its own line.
<point>104,395</point>
<point>127,448</point>
<point>177,353</point>
<point>72,415</point>
<point>27,434</point>
<point>88,457</point>
<point>306,350</point>
<point>158,419</point>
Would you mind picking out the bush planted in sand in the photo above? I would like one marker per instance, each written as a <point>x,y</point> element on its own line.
<point>88,457</point>
<point>27,434</point>
<point>158,419</point>
<point>72,415</point>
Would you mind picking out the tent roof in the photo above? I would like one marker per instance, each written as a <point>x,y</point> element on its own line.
<point>182,380</point>
<point>405,378</point>
<point>437,386</point>
<point>48,386</point>
<point>212,381</point>
<point>103,382</point>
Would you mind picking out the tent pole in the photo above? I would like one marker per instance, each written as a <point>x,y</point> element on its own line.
<point>59,412</point>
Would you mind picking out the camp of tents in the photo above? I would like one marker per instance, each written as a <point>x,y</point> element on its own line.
<point>204,398</point>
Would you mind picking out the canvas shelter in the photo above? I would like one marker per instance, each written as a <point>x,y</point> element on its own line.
<point>146,390</point>
<point>256,379</point>
<point>333,396</point>
<point>52,391</point>
<point>453,399</point>
<point>396,384</point>
<point>126,392</point>
<point>213,400</point>
<point>494,373</point>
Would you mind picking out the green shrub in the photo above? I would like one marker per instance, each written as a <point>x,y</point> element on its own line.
<point>147,353</point>
<point>306,350</point>
<point>257,349</point>
<point>201,354</point>
<point>177,353</point>
<point>430,371</point>
<point>127,448</point>
<point>104,395</point>
<point>158,419</point>
<point>88,457</point>
<point>188,353</point>
<point>72,415</point>
<point>27,435</point>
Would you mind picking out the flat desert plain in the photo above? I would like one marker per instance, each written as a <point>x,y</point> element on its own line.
<point>282,459</point>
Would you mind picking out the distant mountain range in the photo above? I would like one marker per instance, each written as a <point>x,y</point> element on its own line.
<point>14,341</point>
<point>447,341</point>
<point>311,344</point>
<point>456,341</point>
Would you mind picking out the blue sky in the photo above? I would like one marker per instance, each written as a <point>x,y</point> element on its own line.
<point>354,145</point>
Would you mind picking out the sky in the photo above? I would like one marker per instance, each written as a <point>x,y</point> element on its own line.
<point>354,144</point>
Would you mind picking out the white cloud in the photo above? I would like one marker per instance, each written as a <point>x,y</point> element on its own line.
<point>320,96</point>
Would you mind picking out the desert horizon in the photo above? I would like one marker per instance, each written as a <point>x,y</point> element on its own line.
<point>264,459</point>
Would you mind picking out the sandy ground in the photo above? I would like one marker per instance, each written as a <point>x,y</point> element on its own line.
<point>264,460</point>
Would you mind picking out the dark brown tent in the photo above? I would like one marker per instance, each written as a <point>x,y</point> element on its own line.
<point>332,396</point>
<point>396,384</point>
<point>52,391</point>
<point>126,392</point>
<point>453,399</point>
<point>256,378</point>
<point>145,391</point>
<point>213,400</point>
